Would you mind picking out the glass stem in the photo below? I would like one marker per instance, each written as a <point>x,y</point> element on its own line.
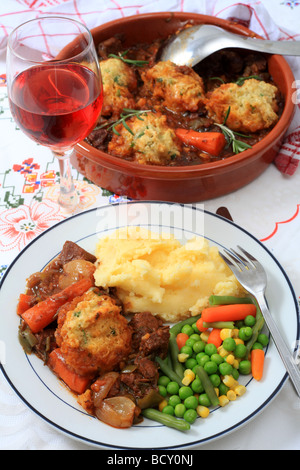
<point>68,197</point>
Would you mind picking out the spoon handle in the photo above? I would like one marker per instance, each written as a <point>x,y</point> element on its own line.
<point>291,48</point>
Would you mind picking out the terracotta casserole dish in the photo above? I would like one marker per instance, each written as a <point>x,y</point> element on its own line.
<point>183,184</point>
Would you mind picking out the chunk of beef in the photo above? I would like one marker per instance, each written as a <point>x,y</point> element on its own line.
<point>72,251</point>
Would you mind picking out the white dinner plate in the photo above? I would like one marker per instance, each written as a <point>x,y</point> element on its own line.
<point>37,386</point>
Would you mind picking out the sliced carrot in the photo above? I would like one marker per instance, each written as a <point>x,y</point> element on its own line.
<point>215,337</point>
<point>210,142</point>
<point>77,383</point>
<point>233,312</point>
<point>257,363</point>
<point>42,314</point>
<point>199,325</point>
<point>181,339</point>
<point>24,303</point>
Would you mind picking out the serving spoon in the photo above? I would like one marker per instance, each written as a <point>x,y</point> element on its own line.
<point>193,44</point>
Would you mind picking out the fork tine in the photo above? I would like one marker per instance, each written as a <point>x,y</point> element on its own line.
<point>248,263</point>
<point>231,261</point>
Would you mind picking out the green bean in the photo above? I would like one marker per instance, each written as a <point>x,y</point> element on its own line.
<point>207,385</point>
<point>219,324</point>
<point>174,351</point>
<point>166,369</point>
<point>256,329</point>
<point>228,299</point>
<point>167,420</point>
<point>177,327</point>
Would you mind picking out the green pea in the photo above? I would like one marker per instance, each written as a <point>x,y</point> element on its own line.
<point>185,392</point>
<point>174,400</point>
<point>190,343</point>
<point>240,351</point>
<point>250,320</point>
<point>198,346</point>
<point>263,339</point>
<point>187,350</point>
<point>225,368</point>
<point>203,359</point>
<point>162,390</point>
<point>215,380</point>
<point>245,367</point>
<point>195,336</point>
<point>210,349</point>
<point>173,388</point>
<point>195,328</point>
<point>235,373</point>
<point>204,400</point>
<point>223,389</point>
<point>245,333</point>
<point>163,380</point>
<point>179,410</point>
<point>217,358</point>
<point>229,344</point>
<point>197,386</point>
<point>257,346</point>
<point>191,402</point>
<point>210,367</point>
<point>190,363</point>
<point>188,329</point>
<point>169,410</point>
<point>190,416</point>
<point>239,324</point>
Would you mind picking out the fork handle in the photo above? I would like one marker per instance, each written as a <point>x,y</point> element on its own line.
<point>283,350</point>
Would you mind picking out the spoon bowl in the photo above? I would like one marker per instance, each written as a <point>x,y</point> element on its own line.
<point>195,43</point>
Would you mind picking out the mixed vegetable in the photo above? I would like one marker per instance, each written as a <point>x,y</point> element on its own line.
<point>207,355</point>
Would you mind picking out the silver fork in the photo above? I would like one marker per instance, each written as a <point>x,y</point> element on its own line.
<point>252,276</point>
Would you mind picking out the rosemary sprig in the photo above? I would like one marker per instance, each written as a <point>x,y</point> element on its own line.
<point>238,146</point>
<point>241,80</point>
<point>126,114</point>
<point>138,63</point>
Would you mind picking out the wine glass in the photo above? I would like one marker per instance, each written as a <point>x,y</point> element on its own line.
<point>55,89</point>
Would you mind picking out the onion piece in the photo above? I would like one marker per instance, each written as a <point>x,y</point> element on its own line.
<point>102,387</point>
<point>117,412</point>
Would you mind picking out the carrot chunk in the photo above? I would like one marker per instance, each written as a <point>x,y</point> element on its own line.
<point>226,313</point>
<point>42,314</point>
<point>75,382</point>
<point>257,363</point>
<point>210,142</point>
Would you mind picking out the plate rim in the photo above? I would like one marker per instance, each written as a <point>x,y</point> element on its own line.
<point>202,441</point>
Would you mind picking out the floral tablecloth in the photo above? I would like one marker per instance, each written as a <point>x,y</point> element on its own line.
<point>269,207</point>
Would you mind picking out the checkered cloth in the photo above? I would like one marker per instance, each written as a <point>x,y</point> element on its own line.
<point>252,14</point>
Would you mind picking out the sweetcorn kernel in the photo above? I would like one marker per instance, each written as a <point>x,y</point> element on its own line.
<point>222,351</point>
<point>229,381</point>
<point>230,359</point>
<point>235,333</point>
<point>239,341</point>
<point>204,336</point>
<point>225,333</point>
<point>162,404</point>
<point>182,357</point>
<point>231,395</point>
<point>240,390</point>
<point>202,411</point>
<point>223,400</point>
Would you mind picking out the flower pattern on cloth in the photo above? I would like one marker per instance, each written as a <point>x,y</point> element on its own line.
<point>19,226</point>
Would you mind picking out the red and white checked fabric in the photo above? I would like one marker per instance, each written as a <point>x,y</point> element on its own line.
<point>252,14</point>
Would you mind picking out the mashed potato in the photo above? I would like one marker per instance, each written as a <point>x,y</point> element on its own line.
<point>157,274</point>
